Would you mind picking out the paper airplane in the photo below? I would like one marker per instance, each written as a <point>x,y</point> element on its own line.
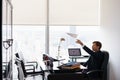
<point>72,35</point>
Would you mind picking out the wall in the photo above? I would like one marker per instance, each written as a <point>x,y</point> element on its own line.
<point>110,22</point>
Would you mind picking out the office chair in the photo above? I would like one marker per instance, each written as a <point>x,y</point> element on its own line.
<point>101,74</point>
<point>29,65</point>
<point>22,72</point>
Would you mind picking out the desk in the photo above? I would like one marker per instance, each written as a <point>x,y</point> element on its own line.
<point>66,75</point>
<point>68,70</point>
<point>74,59</point>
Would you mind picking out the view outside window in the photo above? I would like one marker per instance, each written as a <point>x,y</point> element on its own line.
<point>29,40</point>
<point>56,45</point>
<point>88,34</point>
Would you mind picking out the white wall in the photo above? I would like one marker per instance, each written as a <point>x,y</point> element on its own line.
<point>110,22</point>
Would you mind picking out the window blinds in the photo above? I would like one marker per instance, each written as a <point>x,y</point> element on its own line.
<point>60,12</point>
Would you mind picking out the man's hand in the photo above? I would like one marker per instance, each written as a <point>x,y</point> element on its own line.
<point>79,42</point>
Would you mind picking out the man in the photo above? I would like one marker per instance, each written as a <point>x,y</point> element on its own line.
<point>96,56</point>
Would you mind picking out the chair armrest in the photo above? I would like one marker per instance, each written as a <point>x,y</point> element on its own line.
<point>95,71</point>
<point>29,65</point>
<point>95,74</point>
<point>33,62</point>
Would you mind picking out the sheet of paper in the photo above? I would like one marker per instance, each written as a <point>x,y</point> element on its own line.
<point>73,35</point>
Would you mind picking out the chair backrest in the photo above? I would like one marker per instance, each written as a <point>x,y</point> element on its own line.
<point>21,63</point>
<point>20,56</point>
<point>105,61</point>
<point>21,74</point>
<point>104,64</point>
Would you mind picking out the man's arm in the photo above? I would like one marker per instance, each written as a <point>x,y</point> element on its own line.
<point>80,42</point>
<point>89,51</point>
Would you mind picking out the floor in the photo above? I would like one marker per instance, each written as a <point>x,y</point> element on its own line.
<point>38,77</point>
<point>35,78</point>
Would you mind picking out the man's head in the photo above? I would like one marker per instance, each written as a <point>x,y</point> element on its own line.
<point>96,46</point>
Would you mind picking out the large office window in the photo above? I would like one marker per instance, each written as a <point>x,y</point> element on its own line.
<point>56,33</point>
<point>88,34</point>
<point>59,16</point>
<point>30,40</point>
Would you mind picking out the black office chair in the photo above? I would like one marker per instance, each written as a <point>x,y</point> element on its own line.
<point>29,65</point>
<point>22,72</point>
<point>101,74</point>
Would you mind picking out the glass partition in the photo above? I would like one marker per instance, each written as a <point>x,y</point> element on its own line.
<point>7,40</point>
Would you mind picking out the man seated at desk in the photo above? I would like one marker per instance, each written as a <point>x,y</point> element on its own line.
<point>96,56</point>
<point>93,63</point>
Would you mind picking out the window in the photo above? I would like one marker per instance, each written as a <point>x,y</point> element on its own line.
<point>29,40</point>
<point>56,33</point>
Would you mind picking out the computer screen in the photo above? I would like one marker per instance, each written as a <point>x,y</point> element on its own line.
<point>74,52</point>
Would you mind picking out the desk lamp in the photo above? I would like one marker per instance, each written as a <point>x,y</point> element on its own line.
<point>58,56</point>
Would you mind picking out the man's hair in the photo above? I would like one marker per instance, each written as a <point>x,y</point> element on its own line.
<point>98,44</point>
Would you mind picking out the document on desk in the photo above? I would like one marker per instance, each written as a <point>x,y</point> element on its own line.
<point>75,65</point>
<point>82,67</point>
<point>70,65</point>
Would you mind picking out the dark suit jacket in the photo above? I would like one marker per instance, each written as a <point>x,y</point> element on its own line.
<point>95,60</point>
